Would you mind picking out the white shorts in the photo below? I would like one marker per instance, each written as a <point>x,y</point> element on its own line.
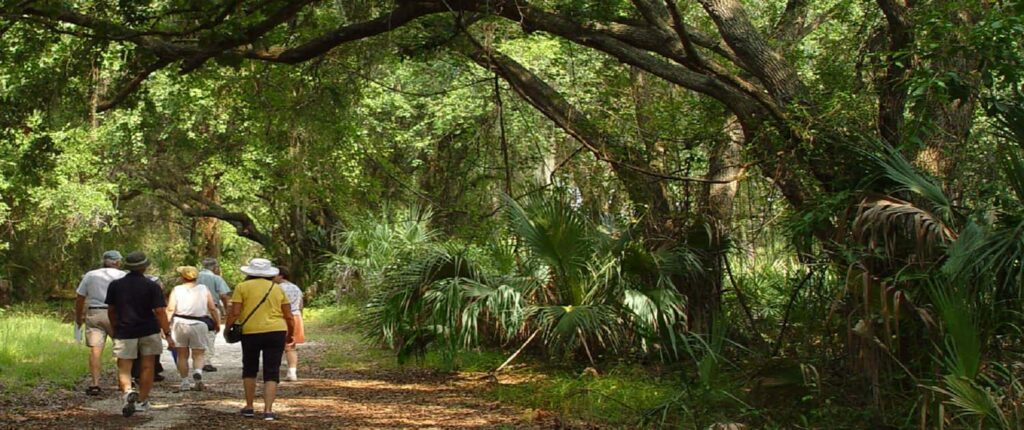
<point>130,349</point>
<point>190,335</point>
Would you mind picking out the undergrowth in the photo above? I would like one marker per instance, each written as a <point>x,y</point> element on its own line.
<point>620,397</point>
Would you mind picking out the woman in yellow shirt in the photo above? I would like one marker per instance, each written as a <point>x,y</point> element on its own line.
<point>268,326</point>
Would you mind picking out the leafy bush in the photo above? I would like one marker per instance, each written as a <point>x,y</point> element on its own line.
<point>583,287</point>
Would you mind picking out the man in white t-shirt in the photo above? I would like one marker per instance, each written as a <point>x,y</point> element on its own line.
<point>91,309</point>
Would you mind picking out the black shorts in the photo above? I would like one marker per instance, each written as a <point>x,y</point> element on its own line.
<point>272,346</point>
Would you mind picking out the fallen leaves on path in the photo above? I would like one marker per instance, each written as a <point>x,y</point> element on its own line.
<point>324,398</point>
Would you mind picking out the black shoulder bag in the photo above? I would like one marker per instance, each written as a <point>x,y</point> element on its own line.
<point>234,333</point>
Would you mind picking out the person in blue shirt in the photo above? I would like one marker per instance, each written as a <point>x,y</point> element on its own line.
<point>221,293</point>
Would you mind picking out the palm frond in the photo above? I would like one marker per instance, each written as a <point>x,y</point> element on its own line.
<point>565,328</point>
<point>962,254</point>
<point>962,355</point>
<point>972,400</point>
<point>1012,166</point>
<point>1002,255</point>
<point>894,166</point>
<point>885,220</point>
<point>1009,126</point>
<point>558,235</point>
<point>1009,119</point>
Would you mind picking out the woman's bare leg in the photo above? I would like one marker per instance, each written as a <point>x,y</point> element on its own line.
<point>269,394</point>
<point>198,358</point>
<point>182,362</point>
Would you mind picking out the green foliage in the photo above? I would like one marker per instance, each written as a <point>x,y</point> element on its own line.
<point>370,246</point>
<point>582,288</point>
<point>376,171</point>
<point>971,283</point>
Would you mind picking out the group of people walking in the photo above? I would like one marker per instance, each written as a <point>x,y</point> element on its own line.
<point>130,307</point>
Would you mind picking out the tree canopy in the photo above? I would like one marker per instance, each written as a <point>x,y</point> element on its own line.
<point>616,178</point>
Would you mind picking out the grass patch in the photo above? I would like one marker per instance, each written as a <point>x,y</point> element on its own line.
<point>337,327</point>
<point>467,361</point>
<point>619,397</point>
<point>340,315</point>
<point>36,348</point>
<point>345,348</point>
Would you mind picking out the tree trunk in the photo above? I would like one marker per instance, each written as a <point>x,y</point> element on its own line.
<point>210,240</point>
<point>704,298</point>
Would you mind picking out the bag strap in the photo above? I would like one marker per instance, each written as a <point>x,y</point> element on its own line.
<point>272,284</point>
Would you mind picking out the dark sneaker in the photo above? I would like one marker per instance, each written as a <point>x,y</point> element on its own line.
<point>129,403</point>
<point>198,377</point>
<point>269,416</point>
<point>93,391</point>
<point>158,378</point>
<point>248,413</point>
<point>209,368</point>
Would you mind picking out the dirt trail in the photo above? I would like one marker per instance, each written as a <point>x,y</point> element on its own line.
<point>320,399</point>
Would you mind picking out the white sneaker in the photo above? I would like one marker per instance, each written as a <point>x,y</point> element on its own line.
<point>291,377</point>
<point>198,377</point>
<point>142,407</point>
<point>186,385</point>
<point>129,407</point>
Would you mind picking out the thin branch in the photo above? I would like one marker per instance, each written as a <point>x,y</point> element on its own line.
<point>131,86</point>
<point>248,35</point>
<point>393,89</point>
<point>411,189</point>
<point>789,308</point>
<point>516,354</point>
<point>559,166</point>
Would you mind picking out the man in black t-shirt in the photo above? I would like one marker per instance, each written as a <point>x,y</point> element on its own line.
<point>157,368</point>
<point>137,312</point>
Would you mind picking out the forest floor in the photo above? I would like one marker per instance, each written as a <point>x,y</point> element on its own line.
<point>360,397</point>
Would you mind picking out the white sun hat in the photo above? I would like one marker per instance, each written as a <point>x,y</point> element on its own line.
<point>260,267</point>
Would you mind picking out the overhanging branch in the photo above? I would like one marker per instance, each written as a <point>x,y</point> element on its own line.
<point>194,204</point>
<point>553,105</point>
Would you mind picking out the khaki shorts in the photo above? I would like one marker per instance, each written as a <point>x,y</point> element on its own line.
<point>192,336</point>
<point>97,327</point>
<point>130,349</point>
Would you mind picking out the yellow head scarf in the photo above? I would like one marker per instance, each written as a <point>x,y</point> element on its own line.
<point>188,273</point>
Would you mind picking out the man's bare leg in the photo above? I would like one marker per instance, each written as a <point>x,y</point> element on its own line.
<point>146,376</point>
<point>124,374</point>
<point>96,363</point>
